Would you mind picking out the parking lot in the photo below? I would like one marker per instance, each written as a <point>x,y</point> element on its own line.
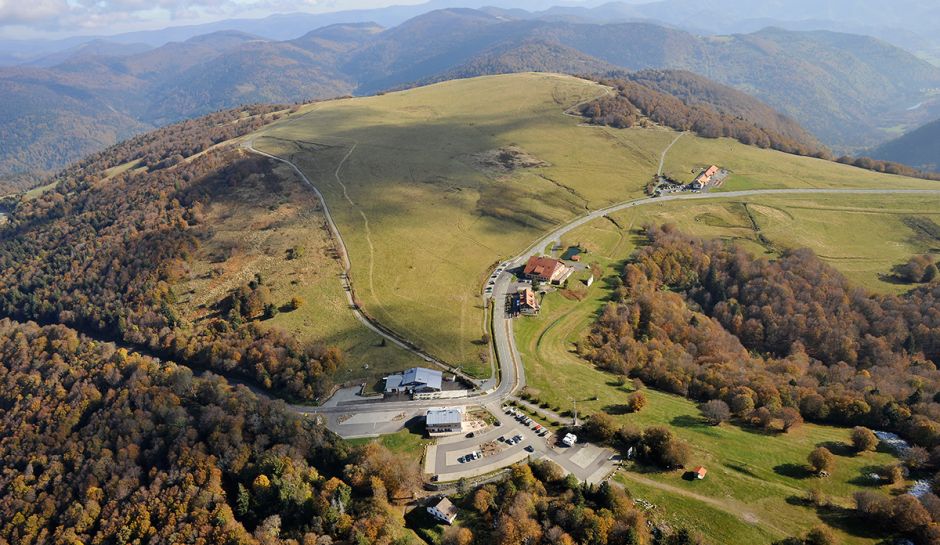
<point>514,440</point>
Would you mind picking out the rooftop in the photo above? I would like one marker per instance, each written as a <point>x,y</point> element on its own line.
<point>542,266</point>
<point>444,416</point>
<point>392,382</point>
<point>446,507</point>
<point>421,375</point>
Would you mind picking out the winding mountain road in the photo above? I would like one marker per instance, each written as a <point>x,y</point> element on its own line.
<point>511,373</point>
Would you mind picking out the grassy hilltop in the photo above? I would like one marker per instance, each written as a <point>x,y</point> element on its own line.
<point>418,191</point>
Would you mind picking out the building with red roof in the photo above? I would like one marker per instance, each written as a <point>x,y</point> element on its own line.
<point>547,269</point>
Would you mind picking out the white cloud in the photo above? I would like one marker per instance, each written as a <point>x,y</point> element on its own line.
<point>59,18</point>
<point>29,11</point>
<point>108,16</point>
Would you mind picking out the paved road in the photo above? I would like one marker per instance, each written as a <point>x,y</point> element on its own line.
<point>356,416</point>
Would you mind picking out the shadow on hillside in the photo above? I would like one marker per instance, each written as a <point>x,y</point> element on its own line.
<point>793,471</point>
<point>838,448</point>
<point>864,477</point>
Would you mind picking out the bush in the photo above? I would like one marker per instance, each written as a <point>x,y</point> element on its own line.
<point>820,535</point>
<point>863,439</point>
<point>600,427</point>
<point>636,402</point>
<point>715,411</point>
<point>295,303</point>
<point>821,460</point>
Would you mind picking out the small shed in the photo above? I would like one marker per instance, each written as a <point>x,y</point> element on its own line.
<point>700,472</point>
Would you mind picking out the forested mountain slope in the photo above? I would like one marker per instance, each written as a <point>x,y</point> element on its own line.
<point>102,445</point>
<point>919,148</point>
<point>103,249</point>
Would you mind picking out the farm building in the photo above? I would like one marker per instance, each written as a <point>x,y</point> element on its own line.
<point>444,420</point>
<point>547,269</point>
<point>444,510</point>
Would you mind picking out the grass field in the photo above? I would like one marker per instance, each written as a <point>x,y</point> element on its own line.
<point>254,226</point>
<point>830,225</point>
<point>425,217</point>
<point>409,443</point>
<point>755,480</point>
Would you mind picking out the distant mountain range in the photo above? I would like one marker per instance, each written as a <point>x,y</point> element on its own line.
<point>843,88</point>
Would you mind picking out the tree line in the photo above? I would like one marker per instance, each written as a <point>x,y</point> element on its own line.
<point>539,504</point>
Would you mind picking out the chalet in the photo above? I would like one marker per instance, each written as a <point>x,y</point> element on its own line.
<point>438,421</point>
<point>443,510</point>
<point>547,269</point>
<point>700,472</point>
<point>416,379</point>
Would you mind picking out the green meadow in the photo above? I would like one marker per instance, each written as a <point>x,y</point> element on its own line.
<point>425,216</point>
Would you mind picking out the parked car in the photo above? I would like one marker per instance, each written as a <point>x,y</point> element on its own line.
<point>471,434</point>
<point>529,448</point>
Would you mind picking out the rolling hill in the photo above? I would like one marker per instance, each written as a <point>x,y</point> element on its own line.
<point>919,148</point>
<point>844,89</point>
<point>415,170</point>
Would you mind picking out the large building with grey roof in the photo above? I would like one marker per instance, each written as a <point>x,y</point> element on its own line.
<point>415,380</point>
<point>444,420</point>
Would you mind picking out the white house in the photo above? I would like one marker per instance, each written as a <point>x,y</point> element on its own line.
<point>443,510</point>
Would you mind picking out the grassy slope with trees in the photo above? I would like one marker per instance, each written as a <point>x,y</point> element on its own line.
<point>102,250</point>
<point>437,219</point>
<point>750,471</point>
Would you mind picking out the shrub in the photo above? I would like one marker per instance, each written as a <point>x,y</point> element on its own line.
<point>636,402</point>
<point>863,439</point>
<point>716,411</point>
<point>821,460</point>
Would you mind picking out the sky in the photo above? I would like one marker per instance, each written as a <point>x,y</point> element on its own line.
<point>57,18</point>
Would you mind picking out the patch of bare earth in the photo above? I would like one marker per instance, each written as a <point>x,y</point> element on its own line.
<point>506,160</point>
